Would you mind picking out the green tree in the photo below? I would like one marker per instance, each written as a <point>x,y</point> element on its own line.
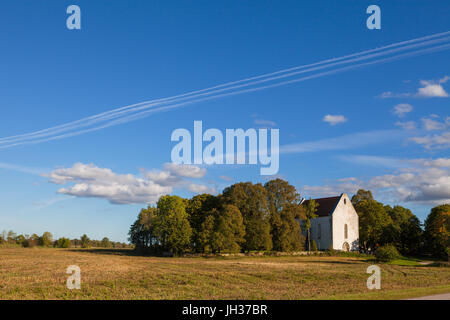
<point>362,195</point>
<point>284,207</point>
<point>405,232</point>
<point>206,231</point>
<point>11,236</point>
<point>172,225</point>
<point>106,243</point>
<point>63,243</point>
<point>85,241</point>
<point>314,246</point>
<point>311,208</point>
<point>46,239</point>
<point>373,224</point>
<point>20,239</point>
<point>141,232</point>
<point>198,209</point>
<point>228,231</point>
<point>251,200</point>
<point>437,230</point>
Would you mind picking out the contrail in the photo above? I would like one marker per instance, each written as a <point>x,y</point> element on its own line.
<point>122,114</point>
<point>178,105</point>
<point>145,105</point>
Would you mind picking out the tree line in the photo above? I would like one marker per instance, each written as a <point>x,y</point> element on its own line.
<point>245,217</point>
<point>381,225</point>
<point>254,217</point>
<point>46,240</point>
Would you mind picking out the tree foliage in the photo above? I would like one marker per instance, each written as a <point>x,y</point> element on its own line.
<point>285,213</point>
<point>223,230</point>
<point>197,209</point>
<point>172,227</point>
<point>251,200</point>
<point>373,223</point>
<point>310,213</point>
<point>63,243</point>
<point>437,230</point>
<point>362,195</point>
<point>85,241</point>
<point>46,239</point>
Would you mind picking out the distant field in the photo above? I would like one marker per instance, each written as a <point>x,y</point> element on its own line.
<point>39,273</point>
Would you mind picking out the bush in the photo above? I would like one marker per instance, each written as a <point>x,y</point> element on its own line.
<point>314,246</point>
<point>387,253</point>
<point>29,243</point>
<point>63,243</point>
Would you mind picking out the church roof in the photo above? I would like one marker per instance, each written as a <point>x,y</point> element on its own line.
<point>326,205</point>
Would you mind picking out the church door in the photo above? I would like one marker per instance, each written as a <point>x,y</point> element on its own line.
<point>346,246</point>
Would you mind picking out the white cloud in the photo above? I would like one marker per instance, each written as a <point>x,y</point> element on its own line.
<point>89,180</point>
<point>436,141</point>
<point>438,163</point>
<point>428,89</point>
<point>390,94</point>
<point>334,119</point>
<point>407,125</point>
<point>430,124</point>
<point>431,88</point>
<point>185,170</point>
<point>265,123</point>
<point>421,181</point>
<point>200,188</point>
<point>402,109</point>
<point>430,185</point>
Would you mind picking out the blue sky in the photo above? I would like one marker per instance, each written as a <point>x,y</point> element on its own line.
<point>388,122</point>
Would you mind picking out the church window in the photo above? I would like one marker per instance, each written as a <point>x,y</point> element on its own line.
<point>345,231</point>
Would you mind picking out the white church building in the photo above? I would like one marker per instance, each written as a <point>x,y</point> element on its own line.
<point>336,225</point>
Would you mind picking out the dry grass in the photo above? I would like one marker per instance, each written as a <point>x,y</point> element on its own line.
<point>39,273</point>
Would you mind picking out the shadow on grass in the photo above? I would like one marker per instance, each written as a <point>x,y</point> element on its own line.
<point>338,261</point>
<point>110,251</point>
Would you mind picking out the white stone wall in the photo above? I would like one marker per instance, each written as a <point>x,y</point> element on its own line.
<point>345,214</point>
<point>324,241</point>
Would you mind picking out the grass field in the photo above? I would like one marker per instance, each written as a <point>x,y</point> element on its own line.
<point>39,273</point>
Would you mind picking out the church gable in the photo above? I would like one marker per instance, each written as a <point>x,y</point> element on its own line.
<point>345,223</point>
<point>336,225</point>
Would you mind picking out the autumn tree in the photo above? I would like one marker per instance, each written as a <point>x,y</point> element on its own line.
<point>284,208</point>
<point>106,243</point>
<point>85,241</point>
<point>405,232</point>
<point>310,213</point>
<point>251,200</point>
<point>197,209</point>
<point>11,236</point>
<point>373,223</point>
<point>227,233</point>
<point>362,195</point>
<point>63,243</point>
<point>142,233</point>
<point>437,230</point>
<point>172,227</point>
<point>46,239</point>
